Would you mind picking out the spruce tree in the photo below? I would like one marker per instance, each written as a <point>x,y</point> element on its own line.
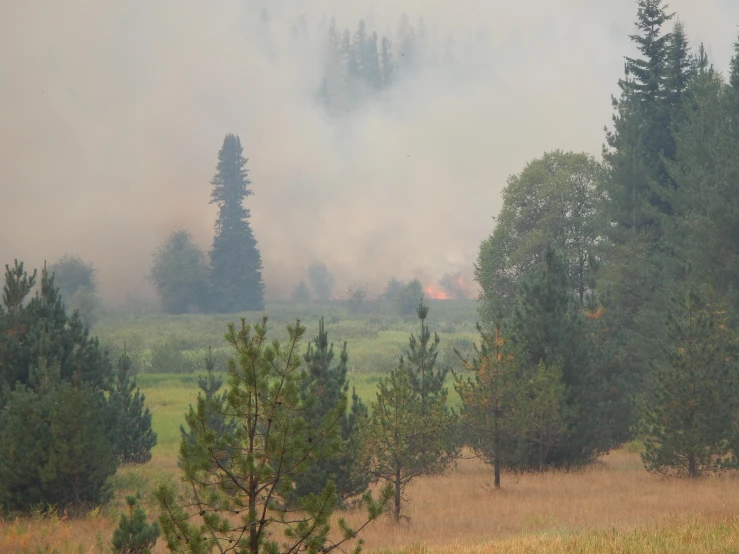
<point>134,437</point>
<point>387,62</point>
<point>689,413</point>
<point>324,390</point>
<point>734,69</point>
<point>236,265</point>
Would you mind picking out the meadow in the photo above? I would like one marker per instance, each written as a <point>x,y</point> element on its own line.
<point>612,506</point>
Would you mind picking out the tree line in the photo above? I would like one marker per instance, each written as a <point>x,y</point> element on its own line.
<point>628,267</point>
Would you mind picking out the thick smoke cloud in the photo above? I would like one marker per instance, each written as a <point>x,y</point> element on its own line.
<point>113,113</point>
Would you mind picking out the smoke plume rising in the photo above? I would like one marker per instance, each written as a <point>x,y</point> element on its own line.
<point>113,114</point>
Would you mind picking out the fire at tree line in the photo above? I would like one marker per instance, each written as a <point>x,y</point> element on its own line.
<point>608,313</point>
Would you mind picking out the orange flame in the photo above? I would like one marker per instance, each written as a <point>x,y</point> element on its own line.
<point>436,293</point>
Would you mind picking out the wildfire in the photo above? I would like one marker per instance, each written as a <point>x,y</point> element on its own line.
<point>436,293</point>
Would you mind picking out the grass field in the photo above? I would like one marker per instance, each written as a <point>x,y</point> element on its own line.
<point>613,506</point>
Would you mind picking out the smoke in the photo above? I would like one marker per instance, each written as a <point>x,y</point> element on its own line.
<point>113,114</point>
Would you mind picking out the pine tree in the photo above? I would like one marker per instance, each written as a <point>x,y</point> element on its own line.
<point>56,421</point>
<point>325,389</point>
<point>491,414</point>
<point>734,69</point>
<point>134,534</point>
<point>689,413</point>
<point>214,404</point>
<point>421,357</point>
<point>250,473</point>
<point>236,265</point>
<point>404,440</point>
<point>134,437</point>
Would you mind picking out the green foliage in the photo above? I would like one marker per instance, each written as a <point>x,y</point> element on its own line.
<point>321,280</point>
<point>326,389</point>
<point>239,498</point>
<point>689,413</point>
<point>357,299</point>
<point>167,357</point>
<point>547,326</point>
<point>420,358</point>
<point>179,274</point>
<point>134,437</point>
<point>72,273</point>
<point>491,418</point>
<point>409,297</point>
<point>404,438</point>
<point>554,201</point>
<point>236,264</point>
<point>60,409</point>
<point>134,534</point>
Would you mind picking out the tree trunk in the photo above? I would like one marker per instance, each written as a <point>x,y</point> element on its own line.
<point>496,467</point>
<point>692,470</point>
<point>397,495</point>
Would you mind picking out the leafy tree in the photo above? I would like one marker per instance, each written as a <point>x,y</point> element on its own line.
<point>554,201</point>
<point>324,390</point>
<point>238,500</point>
<point>179,274</point>
<point>71,273</point>
<point>409,297</point>
<point>357,299</point>
<point>134,534</point>
<point>491,414</point>
<point>392,289</point>
<point>301,293</point>
<point>134,437</point>
<point>236,264</point>
<point>689,413</point>
<point>321,280</point>
<point>404,439</point>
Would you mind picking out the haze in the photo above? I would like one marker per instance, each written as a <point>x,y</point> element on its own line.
<point>113,114</point>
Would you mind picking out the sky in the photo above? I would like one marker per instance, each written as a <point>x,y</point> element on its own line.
<point>112,114</point>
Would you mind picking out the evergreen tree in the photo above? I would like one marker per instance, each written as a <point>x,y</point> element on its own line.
<point>236,265</point>
<point>421,357</point>
<point>734,69</point>
<point>371,63</point>
<point>134,437</point>
<point>240,483</point>
<point>214,404</point>
<point>689,414</point>
<point>547,326</point>
<point>134,534</point>
<point>491,415</point>
<point>301,293</point>
<point>56,422</point>
<point>325,389</point>
<point>404,439</point>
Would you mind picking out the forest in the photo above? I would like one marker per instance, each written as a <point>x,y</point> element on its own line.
<point>579,393</point>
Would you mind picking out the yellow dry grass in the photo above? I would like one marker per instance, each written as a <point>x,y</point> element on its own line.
<point>614,506</point>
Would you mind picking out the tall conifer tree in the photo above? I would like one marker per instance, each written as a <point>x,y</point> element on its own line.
<point>236,265</point>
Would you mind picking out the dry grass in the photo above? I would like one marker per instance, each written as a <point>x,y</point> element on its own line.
<point>614,506</point>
